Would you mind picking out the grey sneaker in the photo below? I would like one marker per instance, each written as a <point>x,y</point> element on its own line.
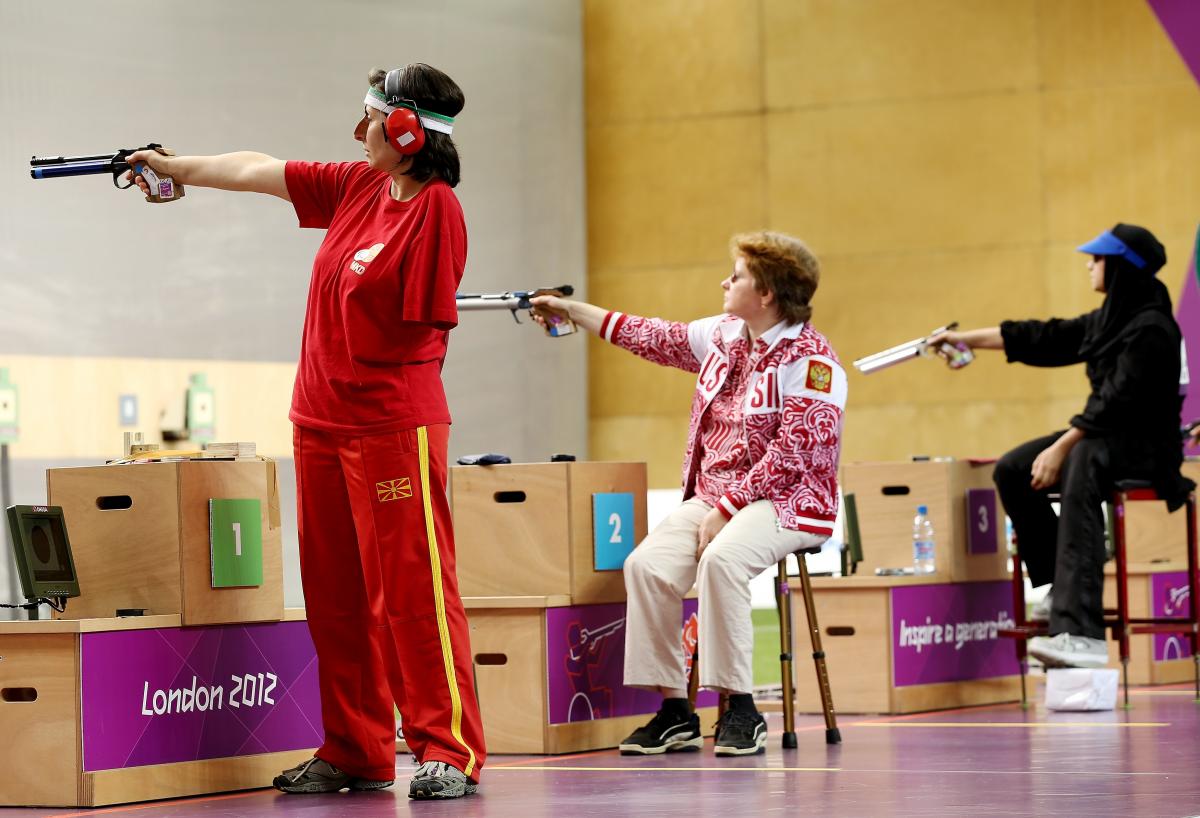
<point>437,779</point>
<point>1067,650</point>
<point>317,775</point>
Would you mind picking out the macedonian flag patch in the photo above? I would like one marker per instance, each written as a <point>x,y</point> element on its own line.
<point>394,489</point>
<point>820,377</point>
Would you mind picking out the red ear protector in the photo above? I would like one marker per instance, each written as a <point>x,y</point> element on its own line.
<point>402,129</point>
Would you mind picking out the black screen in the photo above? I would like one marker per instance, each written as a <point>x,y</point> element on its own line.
<point>48,549</point>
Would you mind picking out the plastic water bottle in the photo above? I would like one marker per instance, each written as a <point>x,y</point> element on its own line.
<point>923,548</point>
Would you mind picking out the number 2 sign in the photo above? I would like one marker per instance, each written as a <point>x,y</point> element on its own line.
<point>612,529</point>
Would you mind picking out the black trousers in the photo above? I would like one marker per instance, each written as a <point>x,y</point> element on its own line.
<point>1068,550</point>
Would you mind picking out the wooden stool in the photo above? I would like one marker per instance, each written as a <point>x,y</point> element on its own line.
<point>782,605</point>
<point>1118,621</point>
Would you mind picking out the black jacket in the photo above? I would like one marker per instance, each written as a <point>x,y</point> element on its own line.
<point>1135,401</point>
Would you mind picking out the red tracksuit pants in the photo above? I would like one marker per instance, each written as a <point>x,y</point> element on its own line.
<point>377,561</point>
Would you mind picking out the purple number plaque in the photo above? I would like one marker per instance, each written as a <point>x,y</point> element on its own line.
<point>981,521</point>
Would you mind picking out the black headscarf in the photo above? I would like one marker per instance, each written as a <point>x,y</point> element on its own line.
<point>1133,294</point>
<point>1130,292</point>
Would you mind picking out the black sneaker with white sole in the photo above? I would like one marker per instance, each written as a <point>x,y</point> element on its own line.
<point>665,733</point>
<point>740,734</point>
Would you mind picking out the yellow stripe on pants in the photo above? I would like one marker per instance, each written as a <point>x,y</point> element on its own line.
<point>439,601</point>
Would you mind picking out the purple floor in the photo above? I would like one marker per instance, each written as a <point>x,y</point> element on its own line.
<point>975,762</point>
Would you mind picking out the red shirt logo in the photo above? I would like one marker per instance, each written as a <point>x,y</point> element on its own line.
<point>364,257</point>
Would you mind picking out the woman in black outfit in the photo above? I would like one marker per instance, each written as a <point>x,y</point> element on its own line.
<point>1128,429</point>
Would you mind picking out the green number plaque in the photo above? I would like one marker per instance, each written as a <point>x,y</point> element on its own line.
<point>235,541</point>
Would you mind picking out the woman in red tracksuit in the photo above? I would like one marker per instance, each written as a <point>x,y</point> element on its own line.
<point>371,429</point>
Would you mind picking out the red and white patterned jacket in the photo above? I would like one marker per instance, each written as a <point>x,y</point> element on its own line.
<point>793,411</point>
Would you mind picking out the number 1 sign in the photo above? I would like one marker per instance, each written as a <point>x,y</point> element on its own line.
<point>235,540</point>
<point>612,529</point>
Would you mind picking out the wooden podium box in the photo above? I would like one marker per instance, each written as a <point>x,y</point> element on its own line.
<point>548,674</point>
<point>887,496</point>
<point>81,730</point>
<point>140,537</point>
<point>1154,535</point>
<point>884,655</point>
<point>529,529</point>
<point>1158,589</point>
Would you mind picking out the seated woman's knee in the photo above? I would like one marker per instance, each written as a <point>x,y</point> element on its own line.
<point>1009,470</point>
<point>719,559</point>
<point>638,565</point>
<point>1084,465</point>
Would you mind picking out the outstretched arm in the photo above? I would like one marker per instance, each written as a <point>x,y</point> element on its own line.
<point>588,316</point>
<point>241,171</point>
<point>986,338</point>
<point>668,343</point>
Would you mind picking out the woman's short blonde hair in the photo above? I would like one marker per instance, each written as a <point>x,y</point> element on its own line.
<point>783,265</point>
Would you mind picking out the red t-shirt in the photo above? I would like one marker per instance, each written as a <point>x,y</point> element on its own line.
<point>381,301</point>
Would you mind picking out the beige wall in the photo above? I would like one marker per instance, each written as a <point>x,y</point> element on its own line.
<point>942,157</point>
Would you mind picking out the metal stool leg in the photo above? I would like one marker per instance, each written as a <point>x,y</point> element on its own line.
<point>784,608</point>
<point>1194,586</point>
<point>832,734</point>
<point>693,687</point>
<point>1018,593</point>
<point>1122,588</point>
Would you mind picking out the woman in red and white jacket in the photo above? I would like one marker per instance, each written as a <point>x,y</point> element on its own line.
<point>759,479</point>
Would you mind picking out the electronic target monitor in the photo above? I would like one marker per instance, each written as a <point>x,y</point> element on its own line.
<point>43,552</point>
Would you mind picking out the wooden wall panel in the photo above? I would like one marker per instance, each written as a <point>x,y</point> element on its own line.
<point>669,192</point>
<point>1090,43</point>
<point>943,159</point>
<point>1121,153</point>
<point>900,176</point>
<point>647,61</point>
<point>832,52</point>
<point>657,440</point>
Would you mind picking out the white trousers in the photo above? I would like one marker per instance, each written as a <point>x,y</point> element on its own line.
<point>663,568</point>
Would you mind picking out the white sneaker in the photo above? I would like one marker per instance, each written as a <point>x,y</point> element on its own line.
<point>1040,612</point>
<point>1067,650</point>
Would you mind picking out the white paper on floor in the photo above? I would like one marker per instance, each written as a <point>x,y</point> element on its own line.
<point>1081,688</point>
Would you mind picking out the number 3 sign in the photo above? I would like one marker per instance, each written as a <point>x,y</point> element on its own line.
<point>981,521</point>
<point>612,529</point>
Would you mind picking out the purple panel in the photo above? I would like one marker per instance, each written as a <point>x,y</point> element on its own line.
<point>1181,20</point>
<point>183,694</point>
<point>1169,596</point>
<point>947,633</point>
<point>981,521</point>
<point>585,659</point>
<point>1188,316</point>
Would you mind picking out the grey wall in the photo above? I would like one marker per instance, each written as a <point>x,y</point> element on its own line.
<point>224,276</point>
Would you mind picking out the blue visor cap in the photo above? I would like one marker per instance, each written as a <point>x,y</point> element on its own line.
<point>1106,244</point>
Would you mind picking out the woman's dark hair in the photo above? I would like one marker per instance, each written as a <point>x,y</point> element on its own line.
<point>434,91</point>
